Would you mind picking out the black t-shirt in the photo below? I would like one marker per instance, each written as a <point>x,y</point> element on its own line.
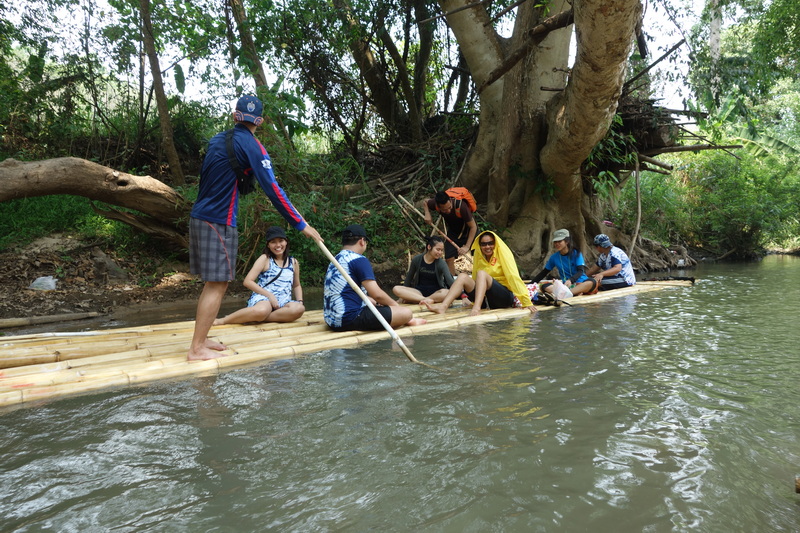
<point>426,280</point>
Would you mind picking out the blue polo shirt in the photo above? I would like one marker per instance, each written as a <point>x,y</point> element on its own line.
<point>218,196</point>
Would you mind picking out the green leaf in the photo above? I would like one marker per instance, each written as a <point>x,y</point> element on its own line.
<point>180,80</point>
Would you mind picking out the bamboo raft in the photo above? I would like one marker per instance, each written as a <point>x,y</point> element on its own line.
<point>46,366</point>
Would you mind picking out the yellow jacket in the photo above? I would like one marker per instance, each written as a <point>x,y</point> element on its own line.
<point>502,267</point>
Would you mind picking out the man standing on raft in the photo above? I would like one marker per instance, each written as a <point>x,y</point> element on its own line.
<point>233,161</point>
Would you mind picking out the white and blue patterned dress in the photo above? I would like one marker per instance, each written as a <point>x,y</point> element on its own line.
<point>281,287</point>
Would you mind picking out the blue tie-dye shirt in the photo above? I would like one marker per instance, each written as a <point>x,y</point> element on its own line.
<point>340,304</point>
<point>616,256</point>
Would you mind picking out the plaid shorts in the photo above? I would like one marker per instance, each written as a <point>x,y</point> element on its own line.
<point>212,250</point>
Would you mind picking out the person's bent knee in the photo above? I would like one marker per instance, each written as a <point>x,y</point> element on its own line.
<point>262,310</point>
<point>295,309</point>
<point>401,315</point>
<point>484,276</point>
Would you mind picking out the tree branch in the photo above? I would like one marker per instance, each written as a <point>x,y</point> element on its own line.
<point>653,64</point>
<point>456,10</point>
<point>533,37</point>
<point>690,148</point>
<point>655,162</point>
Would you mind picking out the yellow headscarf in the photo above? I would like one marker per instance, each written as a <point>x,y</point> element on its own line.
<point>503,267</point>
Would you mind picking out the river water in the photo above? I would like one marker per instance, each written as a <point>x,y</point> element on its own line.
<point>675,410</point>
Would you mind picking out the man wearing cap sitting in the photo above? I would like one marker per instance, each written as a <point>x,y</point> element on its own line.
<point>613,269</point>
<point>343,309</point>
<point>234,159</point>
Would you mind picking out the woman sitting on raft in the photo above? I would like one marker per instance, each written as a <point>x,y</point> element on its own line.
<point>274,277</point>
<point>428,277</point>
<point>570,264</point>
<point>495,279</point>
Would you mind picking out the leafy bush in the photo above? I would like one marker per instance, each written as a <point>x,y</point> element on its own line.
<point>665,213</point>
<point>741,205</point>
<point>28,219</point>
<point>717,201</point>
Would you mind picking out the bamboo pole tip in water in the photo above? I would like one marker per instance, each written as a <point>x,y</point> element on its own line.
<point>797,484</point>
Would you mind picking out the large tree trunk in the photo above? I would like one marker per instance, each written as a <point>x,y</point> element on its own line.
<point>383,96</point>
<point>533,136</point>
<point>161,98</point>
<point>483,49</point>
<point>165,211</point>
<point>256,68</point>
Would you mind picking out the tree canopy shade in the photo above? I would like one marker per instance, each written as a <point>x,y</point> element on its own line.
<point>545,140</point>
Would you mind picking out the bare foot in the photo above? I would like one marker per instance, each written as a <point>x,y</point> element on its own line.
<point>436,308</point>
<point>425,302</point>
<point>416,322</point>
<point>219,321</point>
<point>214,345</point>
<point>204,354</point>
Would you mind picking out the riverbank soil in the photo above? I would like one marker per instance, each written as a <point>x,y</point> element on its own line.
<point>91,280</point>
<point>87,279</point>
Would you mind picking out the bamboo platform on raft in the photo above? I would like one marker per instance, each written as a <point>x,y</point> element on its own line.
<point>47,366</point>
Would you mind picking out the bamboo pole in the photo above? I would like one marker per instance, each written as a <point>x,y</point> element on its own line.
<point>34,320</point>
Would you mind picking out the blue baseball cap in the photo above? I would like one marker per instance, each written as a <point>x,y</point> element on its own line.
<point>249,109</point>
<point>602,241</point>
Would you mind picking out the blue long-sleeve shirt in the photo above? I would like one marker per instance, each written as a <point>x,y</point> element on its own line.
<point>218,197</point>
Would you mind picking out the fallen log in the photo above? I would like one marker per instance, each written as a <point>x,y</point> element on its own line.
<point>164,208</point>
<point>47,319</point>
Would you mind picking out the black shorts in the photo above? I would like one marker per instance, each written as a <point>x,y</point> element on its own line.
<point>609,284</point>
<point>426,290</point>
<point>212,250</point>
<point>451,251</point>
<point>497,297</point>
<point>367,321</point>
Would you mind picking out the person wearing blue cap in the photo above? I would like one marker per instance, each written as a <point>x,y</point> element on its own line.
<point>235,159</point>
<point>613,269</point>
<point>342,308</point>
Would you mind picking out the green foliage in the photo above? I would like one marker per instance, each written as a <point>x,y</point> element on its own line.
<point>742,205</point>
<point>716,201</point>
<point>614,152</point>
<point>28,219</point>
<point>665,214</point>
<point>257,214</point>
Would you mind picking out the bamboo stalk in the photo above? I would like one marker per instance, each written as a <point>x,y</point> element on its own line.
<point>58,391</point>
<point>33,320</point>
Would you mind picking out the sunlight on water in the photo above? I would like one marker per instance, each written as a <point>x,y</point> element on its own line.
<point>668,411</point>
